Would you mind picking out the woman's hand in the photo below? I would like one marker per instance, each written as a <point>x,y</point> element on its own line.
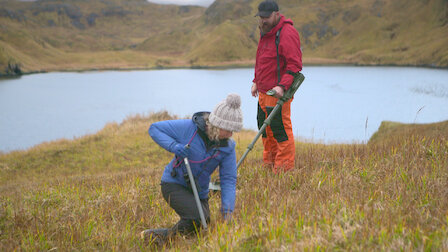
<point>181,151</point>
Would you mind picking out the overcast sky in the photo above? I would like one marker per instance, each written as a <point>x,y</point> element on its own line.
<point>204,3</point>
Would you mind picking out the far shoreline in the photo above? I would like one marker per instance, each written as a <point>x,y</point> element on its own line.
<point>210,67</point>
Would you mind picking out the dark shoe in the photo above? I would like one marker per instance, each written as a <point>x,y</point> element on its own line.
<point>155,236</point>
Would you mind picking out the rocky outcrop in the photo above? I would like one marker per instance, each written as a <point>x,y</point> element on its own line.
<point>11,69</point>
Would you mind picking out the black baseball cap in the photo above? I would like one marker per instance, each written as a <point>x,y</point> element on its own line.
<point>265,8</point>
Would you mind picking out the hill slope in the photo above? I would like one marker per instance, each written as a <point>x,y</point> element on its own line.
<point>70,35</point>
<point>393,131</point>
<point>99,191</point>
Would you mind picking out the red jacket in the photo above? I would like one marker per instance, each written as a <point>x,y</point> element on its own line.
<point>290,56</point>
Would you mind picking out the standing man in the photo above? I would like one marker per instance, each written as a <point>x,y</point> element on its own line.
<point>278,57</point>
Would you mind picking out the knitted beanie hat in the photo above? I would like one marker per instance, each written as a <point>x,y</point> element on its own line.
<point>227,114</point>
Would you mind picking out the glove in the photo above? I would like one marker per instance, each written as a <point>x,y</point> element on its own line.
<point>181,151</point>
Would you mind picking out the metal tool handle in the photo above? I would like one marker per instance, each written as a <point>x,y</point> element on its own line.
<point>195,193</point>
<point>260,132</point>
<point>298,79</point>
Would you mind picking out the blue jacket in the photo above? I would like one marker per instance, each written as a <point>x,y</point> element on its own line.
<point>205,157</point>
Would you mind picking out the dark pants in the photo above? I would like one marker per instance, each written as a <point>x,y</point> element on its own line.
<point>182,201</point>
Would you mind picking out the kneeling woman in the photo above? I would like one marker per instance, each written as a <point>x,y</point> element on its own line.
<point>208,137</point>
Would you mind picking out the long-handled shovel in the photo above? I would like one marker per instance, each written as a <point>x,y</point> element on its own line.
<point>298,79</point>
<point>195,193</point>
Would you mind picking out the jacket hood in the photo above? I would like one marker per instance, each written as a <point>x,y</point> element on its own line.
<point>198,119</point>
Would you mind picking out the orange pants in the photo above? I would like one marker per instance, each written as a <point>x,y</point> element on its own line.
<point>278,140</point>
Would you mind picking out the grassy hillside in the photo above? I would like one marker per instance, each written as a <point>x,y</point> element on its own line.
<point>99,191</point>
<point>393,131</point>
<point>70,35</point>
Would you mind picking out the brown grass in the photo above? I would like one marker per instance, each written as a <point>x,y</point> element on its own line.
<point>99,191</point>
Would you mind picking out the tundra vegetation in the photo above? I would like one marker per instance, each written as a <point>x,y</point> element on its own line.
<point>99,191</point>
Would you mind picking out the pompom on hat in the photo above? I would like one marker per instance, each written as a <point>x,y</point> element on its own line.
<point>227,114</point>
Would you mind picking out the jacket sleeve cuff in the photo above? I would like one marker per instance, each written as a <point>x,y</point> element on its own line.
<point>286,81</point>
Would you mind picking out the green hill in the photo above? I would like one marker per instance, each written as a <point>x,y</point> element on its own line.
<point>97,192</point>
<point>100,34</point>
<point>394,132</point>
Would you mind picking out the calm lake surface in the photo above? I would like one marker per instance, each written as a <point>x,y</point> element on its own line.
<point>342,104</point>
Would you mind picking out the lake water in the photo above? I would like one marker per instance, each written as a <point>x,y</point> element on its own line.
<point>336,104</point>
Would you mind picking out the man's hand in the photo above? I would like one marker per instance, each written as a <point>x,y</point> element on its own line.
<point>254,90</point>
<point>278,92</point>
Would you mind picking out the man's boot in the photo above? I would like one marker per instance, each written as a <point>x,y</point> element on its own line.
<point>155,236</point>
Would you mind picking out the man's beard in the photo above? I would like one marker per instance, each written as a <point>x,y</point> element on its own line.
<point>265,28</point>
